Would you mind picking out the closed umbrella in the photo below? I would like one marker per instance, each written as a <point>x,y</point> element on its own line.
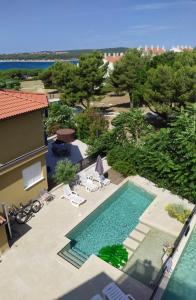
<point>99,165</point>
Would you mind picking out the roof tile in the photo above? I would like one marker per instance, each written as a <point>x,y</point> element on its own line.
<point>13,103</point>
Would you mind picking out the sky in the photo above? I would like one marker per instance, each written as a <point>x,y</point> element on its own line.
<point>37,25</point>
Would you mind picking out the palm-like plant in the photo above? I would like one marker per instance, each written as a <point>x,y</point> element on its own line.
<point>116,255</point>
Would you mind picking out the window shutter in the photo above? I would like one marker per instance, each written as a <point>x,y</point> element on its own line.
<point>32,174</point>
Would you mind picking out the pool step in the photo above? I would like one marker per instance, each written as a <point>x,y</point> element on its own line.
<point>137,235</point>
<point>78,254</point>
<point>143,228</point>
<point>73,257</point>
<point>81,254</point>
<point>131,244</point>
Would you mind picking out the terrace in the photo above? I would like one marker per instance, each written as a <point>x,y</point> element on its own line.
<point>37,272</point>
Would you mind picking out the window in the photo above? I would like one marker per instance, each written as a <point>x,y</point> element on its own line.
<point>32,175</point>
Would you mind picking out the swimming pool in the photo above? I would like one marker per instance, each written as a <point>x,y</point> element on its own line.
<point>182,285</point>
<point>111,222</point>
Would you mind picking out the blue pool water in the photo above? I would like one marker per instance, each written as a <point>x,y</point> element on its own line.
<point>112,222</point>
<point>182,285</point>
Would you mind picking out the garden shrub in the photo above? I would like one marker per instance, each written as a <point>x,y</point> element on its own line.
<point>59,116</point>
<point>90,124</point>
<point>178,212</point>
<point>125,168</point>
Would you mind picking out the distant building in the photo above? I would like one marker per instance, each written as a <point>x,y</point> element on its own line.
<point>152,51</point>
<point>181,48</point>
<point>23,148</point>
<point>111,59</point>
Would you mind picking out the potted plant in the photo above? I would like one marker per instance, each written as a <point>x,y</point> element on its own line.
<point>116,255</point>
<point>65,172</point>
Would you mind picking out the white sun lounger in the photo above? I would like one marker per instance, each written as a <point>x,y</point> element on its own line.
<point>72,196</point>
<point>100,178</point>
<point>87,183</point>
<point>113,292</point>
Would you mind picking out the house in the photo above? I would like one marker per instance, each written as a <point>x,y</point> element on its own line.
<point>181,49</point>
<point>152,51</point>
<point>22,152</point>
<point>111,59</point>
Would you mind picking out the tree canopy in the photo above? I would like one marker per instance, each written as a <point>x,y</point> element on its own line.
<point>59,116</point>
<point>80,83</point>
<point>129,73</point>
<point>167,90</point>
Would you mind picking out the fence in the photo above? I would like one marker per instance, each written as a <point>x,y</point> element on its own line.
<point>82,164</point>
<point>86,162</point>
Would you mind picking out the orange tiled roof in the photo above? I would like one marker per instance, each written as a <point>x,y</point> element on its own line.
<point>113,58</point>
<point>13,103</point>
<point>155,50</point>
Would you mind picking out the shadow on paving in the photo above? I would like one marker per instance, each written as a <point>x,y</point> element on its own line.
<point>18,230</point>
<point>143,271</point>
<point>51,159</point>
<point>85,291</point>
<point>95,286</point>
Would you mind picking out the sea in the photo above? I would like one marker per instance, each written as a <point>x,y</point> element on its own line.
<point>6,65</point>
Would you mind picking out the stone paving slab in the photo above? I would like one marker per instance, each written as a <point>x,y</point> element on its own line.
<point>143,228</point>
<point>131,244</point>
<point>136,235</point>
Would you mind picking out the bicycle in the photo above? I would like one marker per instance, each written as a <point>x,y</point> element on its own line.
<point>26,211</point>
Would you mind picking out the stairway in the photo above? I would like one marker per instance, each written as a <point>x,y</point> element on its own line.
<point>73,256</point>
<point>136,237</point>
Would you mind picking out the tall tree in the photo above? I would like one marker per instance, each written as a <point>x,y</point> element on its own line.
<point>158,90</point>
<point>184,83</point>
<point>80,83</point>
<point>167,90</point>
<point>129,73</point>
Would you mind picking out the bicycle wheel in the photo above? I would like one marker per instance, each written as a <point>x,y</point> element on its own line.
<point>36,206</point>
<point>21,217</point>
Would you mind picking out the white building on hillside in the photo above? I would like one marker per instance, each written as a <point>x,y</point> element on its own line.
<point>111,59</point>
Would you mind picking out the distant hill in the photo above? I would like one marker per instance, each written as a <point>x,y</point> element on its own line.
<point>63,54</point>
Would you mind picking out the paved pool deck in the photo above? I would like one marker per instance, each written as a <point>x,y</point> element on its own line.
<point>31,269</point>
<point>155,215</point>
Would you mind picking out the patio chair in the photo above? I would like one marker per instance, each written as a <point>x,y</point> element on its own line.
<point>100,178</point>
<point>87,183</point>
<point>72,196</point>
<point>97,297</point>
<point>113,292</point>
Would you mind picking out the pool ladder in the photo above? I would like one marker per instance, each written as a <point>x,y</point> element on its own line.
<point>73,256</point>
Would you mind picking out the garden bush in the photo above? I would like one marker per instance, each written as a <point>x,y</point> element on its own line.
<point>59,116</point>
<point>90,124</point>
<point>178,212</point>
<point>125,168</point>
